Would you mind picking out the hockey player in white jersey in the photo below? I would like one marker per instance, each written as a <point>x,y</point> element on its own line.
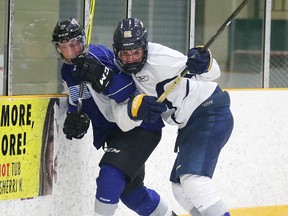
<point>197,105</point>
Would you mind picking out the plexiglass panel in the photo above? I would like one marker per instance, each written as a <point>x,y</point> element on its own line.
<point>34,69</point>
<point>166,21</point>
<point>107,14</point>
<point>238,49</point>
<point>3,45</point>
<point>278,75</point>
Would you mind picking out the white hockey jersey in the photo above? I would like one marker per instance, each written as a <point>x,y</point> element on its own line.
<point>162,65</point>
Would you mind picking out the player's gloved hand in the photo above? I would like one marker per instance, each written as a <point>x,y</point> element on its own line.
<point>146,108</point>
<point>197,62</point>
<point>93,71</point>
<point>76,125</point>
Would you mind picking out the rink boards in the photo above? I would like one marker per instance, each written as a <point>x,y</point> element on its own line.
<point>259,211</point>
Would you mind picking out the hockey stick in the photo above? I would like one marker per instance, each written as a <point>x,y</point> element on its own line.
<point>205,47</point>
<point>88,38</point>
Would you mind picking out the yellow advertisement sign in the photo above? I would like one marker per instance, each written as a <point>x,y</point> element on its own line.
<point>26,131</point>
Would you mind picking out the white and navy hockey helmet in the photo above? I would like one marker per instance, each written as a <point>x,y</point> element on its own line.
<point>130,34</point>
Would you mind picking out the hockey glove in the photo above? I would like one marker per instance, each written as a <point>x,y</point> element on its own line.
<point>146,108</point>
<point>197,62</point>
<point>93,71</point>
<point>76,125</point>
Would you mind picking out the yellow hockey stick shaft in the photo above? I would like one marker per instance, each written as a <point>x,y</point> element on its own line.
<point>88,41</point>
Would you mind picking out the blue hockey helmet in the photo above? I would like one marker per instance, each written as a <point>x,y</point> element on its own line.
<point>130,34</point>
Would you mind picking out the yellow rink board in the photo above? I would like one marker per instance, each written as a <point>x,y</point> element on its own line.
<point>258,211</point>
<point>261,211</point>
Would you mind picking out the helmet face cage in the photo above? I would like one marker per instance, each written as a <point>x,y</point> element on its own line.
<point>65,31</point>
<point>130,34</point>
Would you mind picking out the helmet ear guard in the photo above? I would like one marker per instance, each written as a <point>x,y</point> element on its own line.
<point>130,34</point>
<point>66,30</point>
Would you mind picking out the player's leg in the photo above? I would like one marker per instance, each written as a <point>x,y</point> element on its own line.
<point>203,194</point>
<point>151,203</point>
<point>183,199</point>
<point>144,201</point>
<point>110,183</point>
<point>200,143</point>
<point>127,152</point>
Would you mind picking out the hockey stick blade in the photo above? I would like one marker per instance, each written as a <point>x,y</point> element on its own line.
<point>228,21</point>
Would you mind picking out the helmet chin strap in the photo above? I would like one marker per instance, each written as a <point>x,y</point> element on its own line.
<point>132,68</point>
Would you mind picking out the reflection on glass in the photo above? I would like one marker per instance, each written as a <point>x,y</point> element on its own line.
<point>238,49</point>
<point>3,45</point>
<point>279,45</point>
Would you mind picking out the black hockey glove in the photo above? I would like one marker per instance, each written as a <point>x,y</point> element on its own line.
<point>76,125</point>
<point>93,71</point>
<point>146,108</point>
<point>197,62</point>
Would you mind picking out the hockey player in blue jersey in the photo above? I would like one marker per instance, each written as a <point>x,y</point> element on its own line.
<point>197,105</point>
<point>122,167</point>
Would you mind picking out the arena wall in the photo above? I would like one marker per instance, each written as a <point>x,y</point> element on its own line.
<point>251,173</point>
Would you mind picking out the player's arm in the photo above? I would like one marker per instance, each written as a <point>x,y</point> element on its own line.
<point>91,70</point>
<point>137,110</point>
<point>121,117</point>
<point>121,87</point>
